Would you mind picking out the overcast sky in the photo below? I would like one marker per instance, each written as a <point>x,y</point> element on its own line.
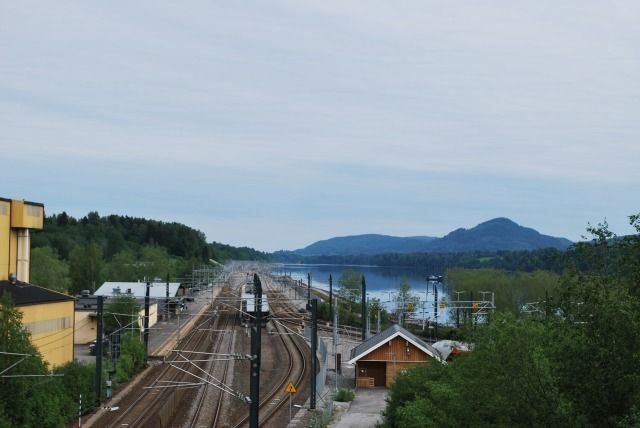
<point>276,123</point>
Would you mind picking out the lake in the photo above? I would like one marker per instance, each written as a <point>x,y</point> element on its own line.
<point>382,283</point>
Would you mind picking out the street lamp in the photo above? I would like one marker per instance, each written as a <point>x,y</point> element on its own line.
<point>435,280</point>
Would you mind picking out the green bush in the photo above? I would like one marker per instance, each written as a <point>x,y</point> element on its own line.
<point>344,395</point>
<point>131,358</point>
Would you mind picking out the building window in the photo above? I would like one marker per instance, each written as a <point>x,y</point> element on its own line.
<point>47,326</point>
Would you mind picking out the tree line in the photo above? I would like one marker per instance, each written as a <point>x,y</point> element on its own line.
<point>549,259</point>
<point>70,255</point>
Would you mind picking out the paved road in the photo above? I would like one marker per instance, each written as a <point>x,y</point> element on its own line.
<point>365,410</point>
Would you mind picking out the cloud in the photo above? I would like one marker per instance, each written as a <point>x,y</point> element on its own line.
<point>267,99</point>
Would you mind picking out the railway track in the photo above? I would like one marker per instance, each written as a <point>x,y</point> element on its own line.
<point>189,389</point>
<point>208,404</point>
<point>161,400</point>
<point>274,403</point>
<point>163,392</point>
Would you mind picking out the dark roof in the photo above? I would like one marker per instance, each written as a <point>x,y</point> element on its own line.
<point>375,341</point>
<point>28,294</point>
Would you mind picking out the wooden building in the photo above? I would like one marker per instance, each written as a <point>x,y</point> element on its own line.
<point>380,357</point>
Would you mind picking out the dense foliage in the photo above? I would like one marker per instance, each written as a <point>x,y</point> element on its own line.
<point>121,313</point>
<point>512,290</point>
<point>575,363</point>
<point>524,261</point>
<point>72,255</point>
<point>29,397</point>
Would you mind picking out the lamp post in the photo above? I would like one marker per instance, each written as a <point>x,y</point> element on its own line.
<point>435,280</point>
<point>363,293</point>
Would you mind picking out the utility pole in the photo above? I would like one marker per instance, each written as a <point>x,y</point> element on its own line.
<point>335,342</point>
<point>99,333</point>
<point>435,309</point>
<point>368,331</point>
<point>458,309</point>
<point>364,309</point>
<point>308,290</point>
<point>146,322</point>
<point>167,301</point>
<point>256,332</point>
<point>314,348</point>
<point>330,297</point>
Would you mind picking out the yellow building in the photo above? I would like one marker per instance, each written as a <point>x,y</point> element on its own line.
<point>16,220</point>
<point>47,315</point>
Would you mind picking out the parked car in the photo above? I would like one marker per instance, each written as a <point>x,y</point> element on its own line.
<point>93,343</point>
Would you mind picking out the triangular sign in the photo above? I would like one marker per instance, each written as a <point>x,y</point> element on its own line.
<point>290,389</point>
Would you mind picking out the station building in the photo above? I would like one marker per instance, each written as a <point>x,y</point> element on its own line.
<point>379,358</point>
<point>46,314</point>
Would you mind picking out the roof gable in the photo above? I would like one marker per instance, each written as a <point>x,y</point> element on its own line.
<point>388,335</point>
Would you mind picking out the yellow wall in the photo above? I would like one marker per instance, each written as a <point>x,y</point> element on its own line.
<point>51,328</point>
<point>16,218</point>
<point>153,316</point>
<point>13,251</point>
<point>25,215</point>
<point>85,327</point>
<point>5,228</point>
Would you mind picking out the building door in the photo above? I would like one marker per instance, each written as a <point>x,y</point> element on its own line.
<point>375,370</point>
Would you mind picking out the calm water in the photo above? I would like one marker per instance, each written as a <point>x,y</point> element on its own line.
<point>382,282</point>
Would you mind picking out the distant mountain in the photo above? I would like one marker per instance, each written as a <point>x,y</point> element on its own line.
<point>496,235</point>
<point>499,234</point>
<point>366,244</point>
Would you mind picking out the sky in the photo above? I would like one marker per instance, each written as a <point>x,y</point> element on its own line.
<point>276,123</point>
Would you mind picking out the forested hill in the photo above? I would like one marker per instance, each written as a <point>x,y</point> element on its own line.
<point>499,234</point>
<point>366,244</point>
<point>115,234</point>
<point>498,243</point>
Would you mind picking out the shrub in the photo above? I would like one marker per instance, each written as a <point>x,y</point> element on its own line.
<point>344,395</point>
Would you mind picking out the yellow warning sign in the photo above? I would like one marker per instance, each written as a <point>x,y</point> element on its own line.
<point>290,389</point>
